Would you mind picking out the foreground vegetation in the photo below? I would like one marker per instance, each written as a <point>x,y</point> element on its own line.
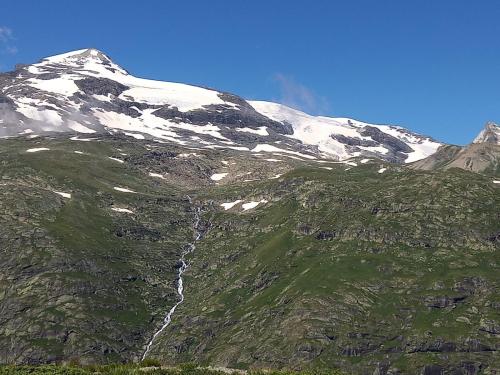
<point>147,367</point>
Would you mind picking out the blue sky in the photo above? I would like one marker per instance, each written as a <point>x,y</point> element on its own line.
<point>431,66</point>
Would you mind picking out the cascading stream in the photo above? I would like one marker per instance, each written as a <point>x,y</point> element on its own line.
<point>180,286</point>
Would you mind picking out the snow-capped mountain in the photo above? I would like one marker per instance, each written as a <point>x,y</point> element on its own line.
<point>481,156</point>
<point>346,137</point>
<point>490,134</point>
<point>84,91</point>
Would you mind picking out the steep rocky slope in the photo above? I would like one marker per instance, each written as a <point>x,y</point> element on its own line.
<point>362,265</point>
<point>482,155</point>
<point>85,267</point>
<point>490,134</point>
<point>91,234</point>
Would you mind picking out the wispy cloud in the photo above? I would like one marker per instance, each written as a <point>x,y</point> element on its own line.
<point>6,41</point>
<point>298,96</point>
<point>5,34</point>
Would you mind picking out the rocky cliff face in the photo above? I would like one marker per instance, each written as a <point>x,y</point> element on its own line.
<point>482,156</point>
<point>490,134</point>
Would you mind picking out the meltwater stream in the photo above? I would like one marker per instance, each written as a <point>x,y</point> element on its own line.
<point>180,286</point>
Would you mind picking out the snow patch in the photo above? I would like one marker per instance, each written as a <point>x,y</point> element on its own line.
<point>124,190</point>
<point>187,155</point>
<point>117,209</point>
<point>38,149</point>
<point>184,97</point>
<point>250,205</point>
<point>32,111</point>
<point>229,205</point>
<point>79,127</point>
<point>65,195</point>
<point>263,147</point>
<point>157,175</point>
<point>115,159</point>
<point>63,85</point>
<point>422,150</point>
<point>218,176</point>
<point>103,98</point>
<point>76,138</point>
<point>134,135</point>
<point>259,131</point>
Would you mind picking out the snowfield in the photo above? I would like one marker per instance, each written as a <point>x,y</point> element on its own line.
<point>317,131</point>
<point>90,63</point>
<point>55,103</point>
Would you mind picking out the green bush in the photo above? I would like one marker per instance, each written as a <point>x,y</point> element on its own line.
<point>150,362</point>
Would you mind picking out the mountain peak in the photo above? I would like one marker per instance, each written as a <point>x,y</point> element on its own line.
<point>87,58</point>
<point>490,134</point>
<point>88,93</point>
<point>81,54</point>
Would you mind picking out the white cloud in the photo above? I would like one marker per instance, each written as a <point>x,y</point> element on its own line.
<point>6,40</point>
<point>296,95</point>
<point>5,34</point>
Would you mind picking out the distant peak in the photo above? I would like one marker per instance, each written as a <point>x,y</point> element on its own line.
<point>82,57</point>
<point>490,134</point>
<point>94,53</point>
<point>491,125</point>
<point>81,54</point>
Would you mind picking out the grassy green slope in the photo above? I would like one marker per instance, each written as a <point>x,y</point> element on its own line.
<point>342,267</point>
<point>346,268</point>
<point>148,367</point>
<point>79,280</point>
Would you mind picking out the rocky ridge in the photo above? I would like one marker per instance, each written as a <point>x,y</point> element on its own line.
<point>86,92</point>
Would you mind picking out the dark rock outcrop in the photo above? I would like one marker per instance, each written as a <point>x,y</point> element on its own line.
<point>100,86</point>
